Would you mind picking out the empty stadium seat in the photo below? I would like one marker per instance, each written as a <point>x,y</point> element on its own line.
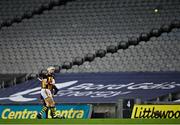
<point>158,54</point>
<point>58,35</point>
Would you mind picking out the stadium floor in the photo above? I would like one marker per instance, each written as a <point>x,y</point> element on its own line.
<point>92,121</point>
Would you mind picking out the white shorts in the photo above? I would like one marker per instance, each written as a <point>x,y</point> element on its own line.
<point>46,93</point>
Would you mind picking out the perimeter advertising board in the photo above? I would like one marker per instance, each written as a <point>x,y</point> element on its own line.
<point>96,88</point>
<point>156,111</point>
<point>30,111</point>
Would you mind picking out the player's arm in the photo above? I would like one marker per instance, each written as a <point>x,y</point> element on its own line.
<point>55,89</point>
<point>53,81</point>
<point>54,86</point>
<point>44,81</point>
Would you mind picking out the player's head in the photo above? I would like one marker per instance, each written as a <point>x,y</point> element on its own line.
<point>51,69</point>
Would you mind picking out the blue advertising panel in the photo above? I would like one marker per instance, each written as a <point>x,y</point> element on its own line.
<point>97,87</point>
<point>30,111</point>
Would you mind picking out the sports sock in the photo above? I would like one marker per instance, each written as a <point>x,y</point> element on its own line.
<point>44,109</point>
<point>53,111</point>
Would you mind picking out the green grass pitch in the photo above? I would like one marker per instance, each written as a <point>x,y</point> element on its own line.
<point>92,121</point>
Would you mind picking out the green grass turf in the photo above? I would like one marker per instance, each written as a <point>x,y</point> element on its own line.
<point>91,121</point>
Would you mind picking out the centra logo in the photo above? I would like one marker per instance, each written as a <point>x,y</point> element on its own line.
<point>156,111</point>
<point>69,113</point>
<point>21,114</point>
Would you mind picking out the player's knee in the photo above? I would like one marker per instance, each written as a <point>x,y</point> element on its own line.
<point>47,104</point>
<point>52,104</point>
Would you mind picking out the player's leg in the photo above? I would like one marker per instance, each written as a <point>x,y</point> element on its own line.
<point>51,104</point>
<point>44,109</point>
<point>44,96</point>
<point>46,112</point>
<point>52,108</point>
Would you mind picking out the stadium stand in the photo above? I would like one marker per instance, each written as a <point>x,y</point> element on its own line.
<point>158,54</point>
<point>79,28</point>
<point>17,10</point>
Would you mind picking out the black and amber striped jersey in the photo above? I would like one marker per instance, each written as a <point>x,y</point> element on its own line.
<point>47,81</point>
<point>44,84</point>
<point>50,87</point>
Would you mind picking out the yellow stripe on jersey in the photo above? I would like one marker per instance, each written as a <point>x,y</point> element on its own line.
<point>44,84</point>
